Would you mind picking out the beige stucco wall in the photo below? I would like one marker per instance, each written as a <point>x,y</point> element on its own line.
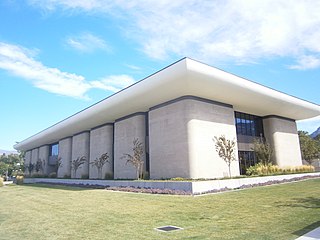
<point>101,141</point>
<point>180,137</point>
<point>80,148</point>
<point>43,156</point>
<point>283,137</point>
<point>65,153</point>
<point>125,131</point>
<point>27,160</point>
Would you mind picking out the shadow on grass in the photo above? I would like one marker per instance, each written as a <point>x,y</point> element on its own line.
<point>307,229</point>
<point>309,202</point>
<point>58,186</point>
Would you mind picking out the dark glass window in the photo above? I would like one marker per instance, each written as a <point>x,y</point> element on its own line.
<point>249,125</point>
<point>54,150</point>
<point>246,159</point>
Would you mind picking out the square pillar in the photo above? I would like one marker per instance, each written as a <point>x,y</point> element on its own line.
<point>101,142</point>
<point>125,131</point>
<point>81,148</point>
<point>44,156</point>
<point>181,134</point>
<point>282,135</point>
<point>27,161</point>
<point>65,154</point>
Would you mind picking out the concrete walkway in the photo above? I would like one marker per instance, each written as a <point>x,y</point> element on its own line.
<point>313,235</point>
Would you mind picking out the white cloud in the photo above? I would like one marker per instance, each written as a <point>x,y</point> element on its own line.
<point>114,83</point>
<point>231,30</point>
<point>310,125</point>
<point>20,62</point>
<point>87,43</point>
<point>307,62</point>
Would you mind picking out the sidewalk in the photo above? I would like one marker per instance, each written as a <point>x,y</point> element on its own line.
<point>313,235</point>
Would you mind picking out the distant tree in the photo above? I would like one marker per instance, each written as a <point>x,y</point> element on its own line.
<point>310,148</point>
<point>263,151</point>
<point>226,150</point>
<point>100,162</point>
<point>77,163</point>
<point>3,168</point>
<point>14,162</point>
<point>136,158</point>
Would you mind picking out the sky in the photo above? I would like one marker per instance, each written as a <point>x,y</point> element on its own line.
<point>60,56</point>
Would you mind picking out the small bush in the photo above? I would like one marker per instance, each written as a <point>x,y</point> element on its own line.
<point>146,176</point>
<point>178,179</point>
<point>38,175</point>
<point>67,176</point>
<point>108,176</point>
<point>1,181</point>
<point>263,170</point>
<point>52,175</point>
<point>85,176</point>
<point>19,180</point>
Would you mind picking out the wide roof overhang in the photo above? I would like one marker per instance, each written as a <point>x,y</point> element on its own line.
<point>185,77</point>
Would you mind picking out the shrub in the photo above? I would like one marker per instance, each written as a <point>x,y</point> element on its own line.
<point>263,170</point>
<point>178,179</point>
<point>19,180</point>
<point>67,176</point>
<point>85,176</point>
<point>1,181</point>
<point>52,175</point>
<point>146,175</point>
<point>38,175</point>
<point>108,176</point>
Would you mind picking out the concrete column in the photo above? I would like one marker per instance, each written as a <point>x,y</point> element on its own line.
<point>282,135</point>
<point>34,158</point>
<point>65,154</point>
<point>125,131</point>
<point>101,142</point>
<point>180,139</point>
<point>81,148</point>
<point>27,160</point>
<point>44,156</point>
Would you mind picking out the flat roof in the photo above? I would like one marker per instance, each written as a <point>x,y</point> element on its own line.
<point>184,77</point>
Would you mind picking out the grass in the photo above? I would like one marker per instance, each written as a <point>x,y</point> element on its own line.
<point>283,211</point>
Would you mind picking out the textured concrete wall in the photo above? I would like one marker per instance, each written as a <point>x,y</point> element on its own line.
<point>180,137</point>
<point>101,141</point>
<point>125,131</point>
<point>283,137</point>
<point>65,154</point>
<point>80,148</point>
<point>27,160</point>
<point>44,156</point>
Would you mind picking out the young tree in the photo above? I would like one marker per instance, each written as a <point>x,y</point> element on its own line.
<point>226,150</point>
<point>30,168</point>
<point>38,166</point>
<point>310,148</point>
<point>100,162</point>
<point>136,158</point>
<point>263,151</point>
<point>58,164</point>
<point>77,163</point>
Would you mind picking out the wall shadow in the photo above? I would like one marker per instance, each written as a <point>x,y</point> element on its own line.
<point>308,202</point>
<point>62,187</point>
<point>307,229</point>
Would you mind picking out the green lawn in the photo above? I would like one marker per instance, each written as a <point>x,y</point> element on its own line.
<point>283,211</point>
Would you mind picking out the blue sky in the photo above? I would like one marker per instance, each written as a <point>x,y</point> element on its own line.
<point>60,56</point>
